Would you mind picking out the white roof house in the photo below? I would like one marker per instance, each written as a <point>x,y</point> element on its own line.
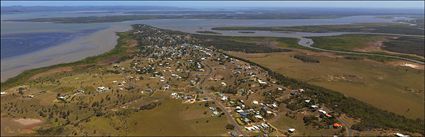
<point>224,98</point>
<point>262,82</point>
<point>255,102</point>
<point>102,89</point>
<point>322,111</point>
<point>401,135</point>
<point>274,104</point>
<point>292,130</point>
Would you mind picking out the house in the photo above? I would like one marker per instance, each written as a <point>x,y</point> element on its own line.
<point>265,125</point>
<point>246,120</point>
<point>249,128</point>
<point>63,98</point>
<point>307,101</point>
<point>102,89</point>
<point>314,106</point>
<point>3,93</point>
<point>279,88</point>
<point>255,102</point>
<point>258,116</point>
<point>322,111</point>
<point>291,130</point>
<point>174,95</point>
<point>337,125</point>
<point>215,113</point>
<point>274,105</point>
<point>269,112</point>
<point>223,84</point>
<point>262,82</point>
<point>243,114</point>
<point>328,115</point>
<point>166,87</point>
<point>400,135</point>
<point>256,127</point>
<point>224,98</point>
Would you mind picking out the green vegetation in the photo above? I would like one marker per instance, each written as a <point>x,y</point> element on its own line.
<point>369,27</point>
<point>208,32</point>
<point>307,59</point>
<point>347,42</point>
<point>373,44</point>
<point>408,45</point>
<point>248,44</point>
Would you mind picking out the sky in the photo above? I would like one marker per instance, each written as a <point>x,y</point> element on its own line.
<point>194,4</point>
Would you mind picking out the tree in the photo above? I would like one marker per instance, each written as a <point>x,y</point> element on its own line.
<point>230,127</point>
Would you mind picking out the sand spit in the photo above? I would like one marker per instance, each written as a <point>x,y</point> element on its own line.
<point>91,45</point>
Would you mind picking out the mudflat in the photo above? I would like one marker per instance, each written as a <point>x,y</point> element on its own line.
<point>92,45</point>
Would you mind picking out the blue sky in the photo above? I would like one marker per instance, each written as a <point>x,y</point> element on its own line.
<point>193,4</point>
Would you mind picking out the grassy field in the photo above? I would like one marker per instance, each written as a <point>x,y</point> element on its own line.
<point>171,118</point>
<point>408,47</point>
<point>285,122</point>
<point>367,81</point>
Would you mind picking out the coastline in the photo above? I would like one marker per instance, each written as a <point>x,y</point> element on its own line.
<point>94,44</point>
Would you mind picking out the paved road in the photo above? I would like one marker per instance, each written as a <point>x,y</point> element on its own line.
<point>306,42</point>
<point>229,117</point>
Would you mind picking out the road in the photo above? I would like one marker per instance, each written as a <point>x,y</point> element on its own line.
<point>306,42</point>
<point>347,126</point>
<point>229,117</point>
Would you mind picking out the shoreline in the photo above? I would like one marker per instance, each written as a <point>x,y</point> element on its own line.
<point>94,44</point>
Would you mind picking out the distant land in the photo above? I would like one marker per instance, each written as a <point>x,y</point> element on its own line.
<point>144,13</point>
